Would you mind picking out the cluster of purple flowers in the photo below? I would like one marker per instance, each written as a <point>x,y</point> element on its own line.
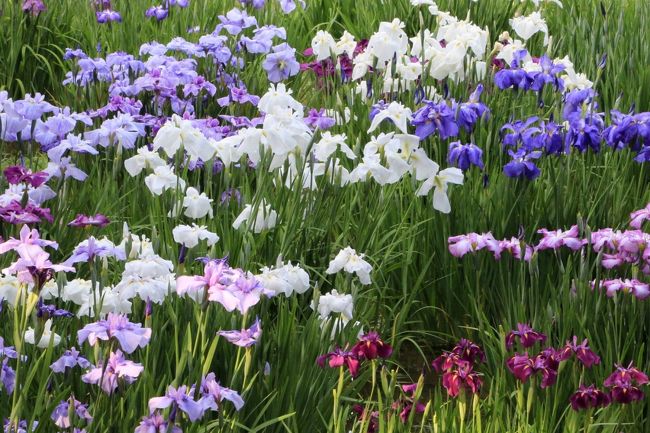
<point>458,368</point>
<point>583,128</point>
<point>67,412</point>
<point>546,73</point>
<point>7,373</point>
<point>33,7</point>
<point>547,361</point>
<point>21,202</point>
<point>182,400</point>
<point>370,346</point>
<point>447,120</point>
<point>328,68</point>
<point>624,387</point>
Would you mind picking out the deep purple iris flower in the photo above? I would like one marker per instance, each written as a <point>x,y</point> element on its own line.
<point>582,351</point>
<point>371,346</point>
<point>464,156</point>
<point>548,75</point>
<point>98,220</point>
<point>45,311</point>
<point>245,337</point>
<point>585,132</point>
<point>522,164</point>
<point>432,118</point>
<point>129,335</point>
<point>628,130</point>
<point>17,174</point>
<point>515,78</point>
<point>520,132</point>
<point>625,383</point>
<point>576,99</point>
<point>588,397</point>
<point>468,113</point>
<point>526,335</point>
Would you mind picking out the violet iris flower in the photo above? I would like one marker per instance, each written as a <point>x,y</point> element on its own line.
<point>585,132</point>
<point>179,398</point>
<point>87,250</point>
<point>319,119</point>
<point>7,351</point>
<point>98,220</point>
<point>239,95</point>
<point>520,132</point>
<point>548,75</point>
<point>432,118</point>
<point>157,12</point>
<point>129,335</point>
<point>235,21</point>
<point>464,156</point>
<point>257,4</point>
<point>70,359</point>
<point>468,113</point>
<point>554,239</point>
<point>33,7</point>
<point>281,63</point>
<point>7,376</point>
<point>245,337</point>
<point>156,423</point>
<point>625,383</point>
<point>117,368</point>
<point>582,352</point>
<point>108,16</point>
<point>522,164</point>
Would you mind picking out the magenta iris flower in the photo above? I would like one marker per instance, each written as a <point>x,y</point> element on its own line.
<point>34,266</point>
<point>457,368</point>
<point>473,242</point>
<point>70,359</point>
<point>637,218</point>
<point>462,377</point>
<point>526,335</point>
<point>98,220</point>
<point>371,346</point>
<point>129,335</point>
<point>118,370</point>
<point>587,397</point>
<point>554,239</point>
<point>582,351</point>
<point>339,358</point>
<point>625,383</point>
<point>180,398</point>
<point>637,288</point>
<point>17,174</point>
<point>29,240</point>
<point>245,337</point>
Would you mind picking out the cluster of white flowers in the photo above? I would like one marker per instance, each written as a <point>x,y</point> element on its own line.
<point>284,278</point>
<point>348,260</point>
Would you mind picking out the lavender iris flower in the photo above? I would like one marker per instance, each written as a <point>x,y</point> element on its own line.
<point>281,63</point>
<point>157,12</point>
<point>108,16</point>
<point>70,359</point>
<point>214,393</point>
<point>179,398</point>
<point>7,376</point>
<point>73,143</point>
<point>117,368</point>
<point>289,6</point>
<point>235,21</point>
<point>156,423</point>
<point>33,7</point>
<point>87,250</point>
<point>239,95</point>
<point>129,335</point>
<point>7,351</point>
<point>61,414</point>
<point>245,337</point>
<point>319,119</point>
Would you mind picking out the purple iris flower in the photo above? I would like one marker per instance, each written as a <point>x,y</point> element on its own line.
<point>214,393</point>
<point>156,423</point>
<point>117,368</point>
<point>551,138</point>
<point>15,213</point>
<point>522,164</point>
<point>17,174</point>
<point>157,12</point>
<point>87,250</point>
<point>548,75</point>
<point>554,239</point>
<point>33,7</point>
<point>515,78</point>
<point>61,414</point>
<point>129,335</point>
<point>289,6</point>
<point>585,132</point>
<point>575,99</point>
<point>465,155</point>
<point>45,311</point>
<point>53,130</point>
<point>281,63</point>
<point>7,351</point>
<point>433,118</point>
<point>22,426</point>
<point>245,337</point>
<point>627,130</point>
<point>33,107</point>
<point>319,119</point>
<point>526,335</point>
<point>257,4</point>
<point>625,383</point>
<point>582,351</point>
<point>108,16</point>
<point>468,113</point>
<point>7,376</point>
<point>74,54</point>
<point>73,143</point>
<point>179,398</point>
<point>98,220</point>
<point>587,397</point>
<point>70,359</point>
<point>239,95</point>
<point>179,3</point>
<point>228,195</point>
<point>236,20</point>
<point>521,132</point>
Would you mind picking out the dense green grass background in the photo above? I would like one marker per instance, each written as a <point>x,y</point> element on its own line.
<point>422,298</point>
